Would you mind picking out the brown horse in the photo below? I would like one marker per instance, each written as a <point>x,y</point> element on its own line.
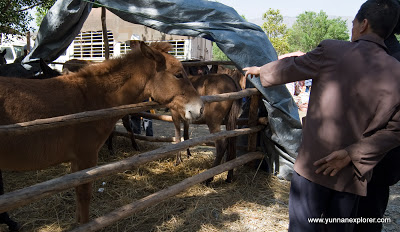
<point>143,73</point>
<point>214,113</point>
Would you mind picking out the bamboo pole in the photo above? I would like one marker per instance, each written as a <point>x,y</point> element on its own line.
<point>33,193</point>
<point>155,198</point>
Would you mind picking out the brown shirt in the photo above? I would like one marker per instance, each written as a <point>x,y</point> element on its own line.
<point>354,105</point>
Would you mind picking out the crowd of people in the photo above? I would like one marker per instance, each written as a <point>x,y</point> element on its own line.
<point>349,153</point>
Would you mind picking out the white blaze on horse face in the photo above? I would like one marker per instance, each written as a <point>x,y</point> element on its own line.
<point>194,110</point>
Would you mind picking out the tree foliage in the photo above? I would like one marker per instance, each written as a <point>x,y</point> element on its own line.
<point>217,53</point>
<point>311,28</point>
<point>276,30</point>
<point>15,15</point>
<point>41,11</point>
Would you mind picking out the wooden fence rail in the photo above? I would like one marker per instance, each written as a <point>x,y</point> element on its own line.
<point>155,198</point>
<point>33,193</point>
<point>36,192</point>
<point>120,111</point>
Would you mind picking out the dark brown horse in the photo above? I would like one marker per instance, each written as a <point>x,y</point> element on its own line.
<point>215,113</point>
<point>146,72</point>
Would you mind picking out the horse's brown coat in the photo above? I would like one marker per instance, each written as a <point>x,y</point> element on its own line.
<point>146,72</point>
<point>214,112</point>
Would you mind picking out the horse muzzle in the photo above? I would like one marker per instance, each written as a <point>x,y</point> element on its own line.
<point>194,110</point>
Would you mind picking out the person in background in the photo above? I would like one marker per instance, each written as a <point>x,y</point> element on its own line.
<point>308,84</point>
<point>347,129</point>
<point>386,173</point>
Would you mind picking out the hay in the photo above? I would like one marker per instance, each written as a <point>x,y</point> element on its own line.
<point>244,205</point>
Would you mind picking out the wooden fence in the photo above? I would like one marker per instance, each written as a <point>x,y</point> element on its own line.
<point>33,193</point>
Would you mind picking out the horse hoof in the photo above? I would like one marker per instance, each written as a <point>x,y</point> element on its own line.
<point>189,154</point>
<point>228,180</point>
<point>208,182</point>
<point>13,226</point>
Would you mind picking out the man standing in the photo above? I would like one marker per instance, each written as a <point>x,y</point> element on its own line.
<point>347,129</point>
<point>386,173</point>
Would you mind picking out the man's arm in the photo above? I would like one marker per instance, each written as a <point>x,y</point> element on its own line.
<point>289,69</point>
<point>364,154</point>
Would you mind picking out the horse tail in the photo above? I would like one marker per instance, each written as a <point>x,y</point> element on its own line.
<point>233,115</point>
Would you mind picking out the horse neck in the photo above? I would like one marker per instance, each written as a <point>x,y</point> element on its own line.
<point>116,82</point>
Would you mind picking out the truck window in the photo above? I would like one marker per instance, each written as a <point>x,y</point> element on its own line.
<point>19,50</point>
<point>9,55</point>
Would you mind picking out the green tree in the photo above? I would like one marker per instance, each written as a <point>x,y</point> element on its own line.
<point>276,30</point>
<point>311,28</point>
<point>217,53</point>
<point>42,10</point>
<point>15,14</point>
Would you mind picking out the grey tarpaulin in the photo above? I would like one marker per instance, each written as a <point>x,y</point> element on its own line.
<point>244,43</point>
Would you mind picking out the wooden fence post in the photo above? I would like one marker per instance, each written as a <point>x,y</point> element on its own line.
<point>253,119</point>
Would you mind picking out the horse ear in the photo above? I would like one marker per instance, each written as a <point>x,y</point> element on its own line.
<point>47,71</point>
<point>154,55</point>
<point>134,44</point>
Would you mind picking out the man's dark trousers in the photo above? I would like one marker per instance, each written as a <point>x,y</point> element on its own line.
<point>309,200</point>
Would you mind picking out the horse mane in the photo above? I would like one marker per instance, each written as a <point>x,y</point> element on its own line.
<point>109,66</point>
<point>161,46</point>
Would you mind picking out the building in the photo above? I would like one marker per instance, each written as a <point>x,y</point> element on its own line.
<point>89,44</point>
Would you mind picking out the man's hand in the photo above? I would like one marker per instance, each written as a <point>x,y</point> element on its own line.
<point>252,71</point>
<point>333,163</point>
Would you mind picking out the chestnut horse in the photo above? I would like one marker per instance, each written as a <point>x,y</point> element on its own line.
<point>215,113</point>
<point>143,73</point>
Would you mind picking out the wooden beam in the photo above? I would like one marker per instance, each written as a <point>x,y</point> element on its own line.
<point>42,124</point>
<point>155,198</point>
<point>202,63</point>
<point>145,138</point>
<point>168,118</point>
<point>230,96</point>
<point>119,111</point>
<point>33,193</point>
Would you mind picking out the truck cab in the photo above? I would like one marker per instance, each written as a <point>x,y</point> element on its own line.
<point>13,51</point>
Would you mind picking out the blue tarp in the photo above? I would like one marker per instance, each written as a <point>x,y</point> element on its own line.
<point>244,43</point>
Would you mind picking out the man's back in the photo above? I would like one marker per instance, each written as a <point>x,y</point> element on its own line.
<point>353,96</point>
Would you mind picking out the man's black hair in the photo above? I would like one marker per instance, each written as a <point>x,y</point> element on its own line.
<point>382,15</point>
<point>397,28</point>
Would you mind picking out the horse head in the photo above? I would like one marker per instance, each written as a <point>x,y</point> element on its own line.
<point>169,84</point>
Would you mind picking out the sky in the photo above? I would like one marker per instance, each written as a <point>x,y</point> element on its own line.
<point>252,9</point>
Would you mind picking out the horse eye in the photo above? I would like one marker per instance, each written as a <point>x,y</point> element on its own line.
<point>179,75</point>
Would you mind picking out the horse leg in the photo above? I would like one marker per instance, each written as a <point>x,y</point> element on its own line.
<point>83,192</point>
<point>109,144</point>
<point>4,217</point>
<point>126,123</point>
<point>220,147</point>
<point>231,142</point>
<point>186,135</point>
<point>230,155</point>
<point>177,123</point>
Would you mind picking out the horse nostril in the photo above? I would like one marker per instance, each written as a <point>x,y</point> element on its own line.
<point>201,110</point>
